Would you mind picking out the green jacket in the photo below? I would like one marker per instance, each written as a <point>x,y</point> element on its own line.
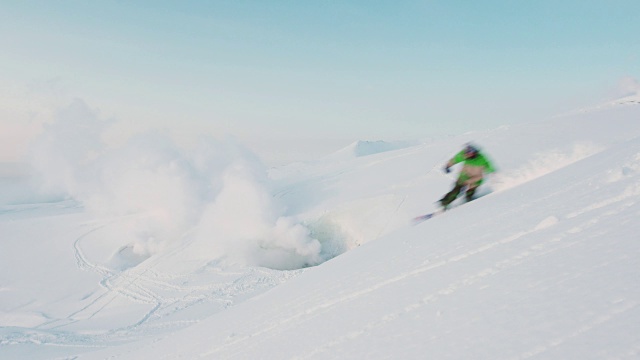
<point>473,169</point>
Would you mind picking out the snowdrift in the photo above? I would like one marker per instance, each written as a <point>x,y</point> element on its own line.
<point>366,148</point>
<point>543,265</point>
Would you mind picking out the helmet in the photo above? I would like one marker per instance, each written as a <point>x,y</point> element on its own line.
<point>471,151</point>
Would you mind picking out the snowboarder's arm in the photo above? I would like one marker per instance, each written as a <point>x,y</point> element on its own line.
<point>459,157</point>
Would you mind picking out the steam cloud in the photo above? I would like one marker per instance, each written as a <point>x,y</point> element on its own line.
<point>218,191</point>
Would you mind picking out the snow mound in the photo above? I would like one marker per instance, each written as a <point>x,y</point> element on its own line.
<point>365,148</point>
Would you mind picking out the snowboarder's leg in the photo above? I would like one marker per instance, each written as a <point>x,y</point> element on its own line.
<point>451,195</point>
<point>470,192</point>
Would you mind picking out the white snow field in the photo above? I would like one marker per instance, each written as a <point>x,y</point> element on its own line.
<point>153,252</point>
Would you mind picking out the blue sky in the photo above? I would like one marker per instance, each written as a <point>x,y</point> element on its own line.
<point>321,72</point>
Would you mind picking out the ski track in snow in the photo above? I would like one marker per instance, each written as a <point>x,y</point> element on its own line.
<point>618,310</point>
<point>140,284</point>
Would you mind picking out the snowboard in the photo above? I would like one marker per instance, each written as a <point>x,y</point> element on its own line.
<point>417,220</point>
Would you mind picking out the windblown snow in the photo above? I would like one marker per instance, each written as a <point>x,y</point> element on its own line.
<point>152,251</point>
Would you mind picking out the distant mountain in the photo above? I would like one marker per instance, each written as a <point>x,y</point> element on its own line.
<point>365,148</point>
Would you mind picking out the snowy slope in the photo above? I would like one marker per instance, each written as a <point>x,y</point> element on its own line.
<point>544,266</point>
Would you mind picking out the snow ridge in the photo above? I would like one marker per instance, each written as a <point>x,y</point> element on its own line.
<point>365,148</point>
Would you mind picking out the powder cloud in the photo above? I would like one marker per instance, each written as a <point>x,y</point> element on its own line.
<point>218,190</point>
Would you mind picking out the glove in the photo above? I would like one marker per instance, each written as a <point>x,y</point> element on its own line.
<point>447,169</point>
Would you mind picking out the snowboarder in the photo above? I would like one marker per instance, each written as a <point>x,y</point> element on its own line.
<point>475,165</point>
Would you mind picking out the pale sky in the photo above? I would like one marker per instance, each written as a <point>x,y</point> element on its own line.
<point>301,74</point>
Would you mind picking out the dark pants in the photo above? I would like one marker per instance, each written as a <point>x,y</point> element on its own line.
<point>453,194</point>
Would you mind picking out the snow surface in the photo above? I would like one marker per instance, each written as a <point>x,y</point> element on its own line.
<point>149,251</point>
